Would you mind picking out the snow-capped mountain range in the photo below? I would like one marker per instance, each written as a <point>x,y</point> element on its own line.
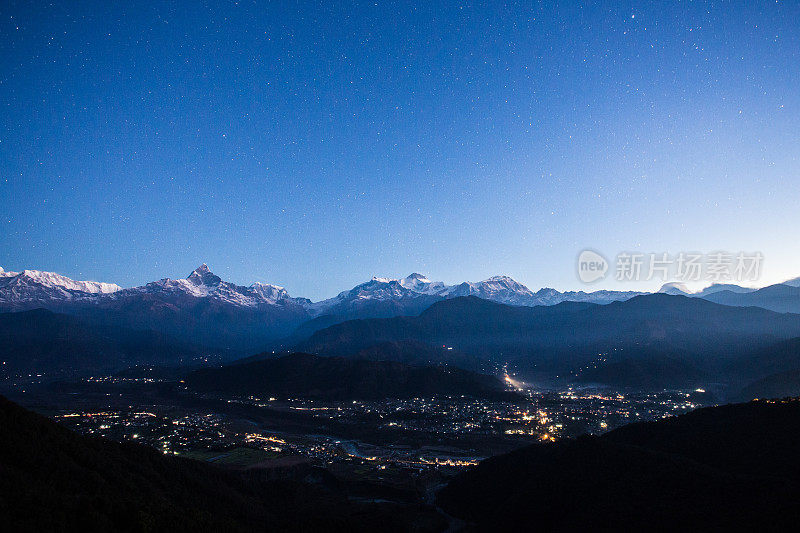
<point>35,285</point>
<point>31,287</point>
<point>204,309</point>
<point>202,283</point>
<point>501,289</point>
<point>682,290</point>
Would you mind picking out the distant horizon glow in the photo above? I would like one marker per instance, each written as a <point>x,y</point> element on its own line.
<point>315,146</point>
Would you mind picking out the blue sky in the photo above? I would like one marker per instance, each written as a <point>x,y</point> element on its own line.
<point>314,145</point>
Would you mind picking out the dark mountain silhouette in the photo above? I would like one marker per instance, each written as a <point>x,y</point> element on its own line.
<point>652,341</point>
<point>766,372</point>
<point>778,385</point>
<point>418,353</point>
<point>40,341</point>
<point>780,298</point>
<point>364,310</point>
<point>770,372</point>
<point>206,321</point>
<point>647,371</point>
<point>52,479</point>
<point>475,325</point>
<point>778,357</point>
<point>199,309</point>
<point>408,352</point>
<point>308,376</point>
<point>308,328</point>
<point>562,337</point>
<point>733,467</point>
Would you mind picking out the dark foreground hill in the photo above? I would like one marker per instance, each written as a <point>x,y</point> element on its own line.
<point>336,378</point>
<point>733,467</point>
<point>43,342</point>
<point>52,479</point>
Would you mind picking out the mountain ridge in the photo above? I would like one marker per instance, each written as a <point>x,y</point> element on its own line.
<point>560,337</point>
<point>54,479</point>
<point>202,282</point>
<point>337,378</point>
<point>204,308</point>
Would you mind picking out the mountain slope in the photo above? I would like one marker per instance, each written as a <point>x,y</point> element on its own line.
<point>199,309</point>
<point>777,357</point>
<point>770,372</point>
<point>648,370</point>
<point>777,385</point>
<point>42,342</point>
<point>33,288</point>
<point>384,297</point>
<point>52,479</point>
<point>780,298</point>
<point>560,337</point>
<point>309,376</point>
<point>204,308</point>
<point>731,467</point>
<point>418,353</point>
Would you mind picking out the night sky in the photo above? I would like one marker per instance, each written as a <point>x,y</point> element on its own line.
<point>314,146</point>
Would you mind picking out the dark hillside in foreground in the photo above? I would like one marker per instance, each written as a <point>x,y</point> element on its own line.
<point>733,467</point>
<point>52,479</point>
<point>334,378</point>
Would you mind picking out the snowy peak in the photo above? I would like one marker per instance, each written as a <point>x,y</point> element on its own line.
<point>500,279</point>
<point>30,288</point>
<point>421,284</point>
<point>546,292</point>
<point>681,289</point>
<point>410,290</point>
<point>505,283</point>
<point>501,289</point>
<point>52,280</point>
<point>202,275</point>
<point>548,296</point>
<point>384,296</point>
<point>377,287</point>
<point>719,287</point>
<point>380,288</point>
<point>269,293</point>
<point>203,283</point>
<point>675,288</point>
<point>415,280</point>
